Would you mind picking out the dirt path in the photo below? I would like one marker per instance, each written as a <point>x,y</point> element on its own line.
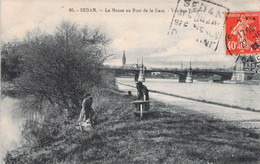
<point>242,118</point>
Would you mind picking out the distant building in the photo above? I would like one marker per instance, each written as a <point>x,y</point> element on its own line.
<point>247,63</point>
<point>135,66</point>
<point>155,73</point>
<point>246,66</point>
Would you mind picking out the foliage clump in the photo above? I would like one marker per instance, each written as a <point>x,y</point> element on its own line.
<point>56,68</point>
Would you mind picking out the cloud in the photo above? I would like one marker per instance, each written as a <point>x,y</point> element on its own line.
<point>182,49</point>
<point>186,50</point>
<point>169,52</point>
<point>130,40</point>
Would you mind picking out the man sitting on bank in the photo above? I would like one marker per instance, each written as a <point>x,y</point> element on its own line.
<point>142,94</point>
<point>142,91</point>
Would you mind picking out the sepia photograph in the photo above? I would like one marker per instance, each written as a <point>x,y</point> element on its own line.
<point>130,81</point>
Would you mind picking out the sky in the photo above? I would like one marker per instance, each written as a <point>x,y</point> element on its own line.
<point>139,34</point>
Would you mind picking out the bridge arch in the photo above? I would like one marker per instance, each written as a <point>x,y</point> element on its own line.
<point>225,75</point>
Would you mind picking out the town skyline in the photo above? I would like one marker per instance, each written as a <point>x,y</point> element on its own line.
<point>182,64</point>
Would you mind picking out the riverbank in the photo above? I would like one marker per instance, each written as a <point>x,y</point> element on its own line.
<point>169,134</point>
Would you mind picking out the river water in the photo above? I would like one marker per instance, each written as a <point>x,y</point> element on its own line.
<point>232,94</point>
<point>10,126</point>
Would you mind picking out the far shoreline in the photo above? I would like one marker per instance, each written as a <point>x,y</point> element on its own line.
<point>206,80</point>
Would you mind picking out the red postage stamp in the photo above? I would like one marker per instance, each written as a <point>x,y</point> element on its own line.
<point>242,33</point>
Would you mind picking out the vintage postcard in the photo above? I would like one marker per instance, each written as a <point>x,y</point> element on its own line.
<point>128,81</point>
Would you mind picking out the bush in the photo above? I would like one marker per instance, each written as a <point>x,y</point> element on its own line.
<point>59,68</point>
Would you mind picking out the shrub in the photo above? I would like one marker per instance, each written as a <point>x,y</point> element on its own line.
<point>58,68</point>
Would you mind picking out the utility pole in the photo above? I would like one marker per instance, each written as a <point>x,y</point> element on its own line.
<point>124,59</point>
<point>142,73</point>
<point>142,63</point>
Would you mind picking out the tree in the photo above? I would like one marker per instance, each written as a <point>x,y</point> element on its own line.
<point>58,68</point>
<point>10,61</point>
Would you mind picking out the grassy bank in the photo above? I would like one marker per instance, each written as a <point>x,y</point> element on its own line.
<point>169,134</point>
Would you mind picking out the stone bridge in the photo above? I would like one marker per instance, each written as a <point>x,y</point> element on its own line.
<point>185,75</point>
